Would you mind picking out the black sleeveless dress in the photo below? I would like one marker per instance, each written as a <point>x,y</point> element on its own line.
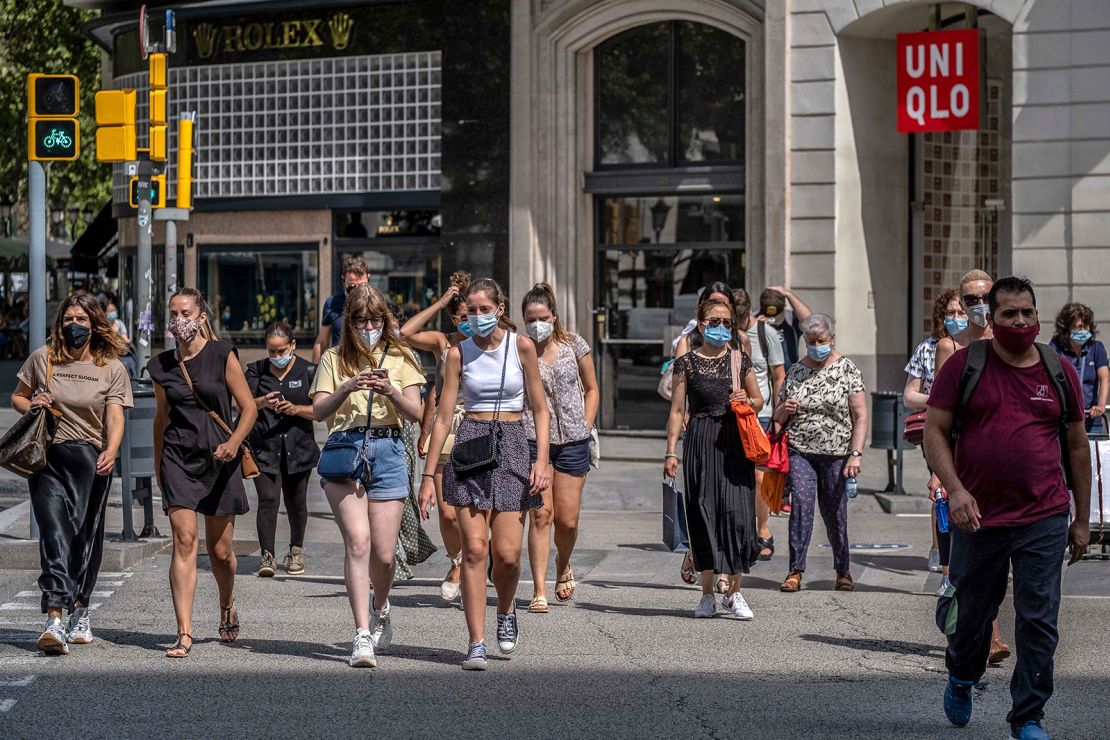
<point>720,480</point>
<point>191,476</point>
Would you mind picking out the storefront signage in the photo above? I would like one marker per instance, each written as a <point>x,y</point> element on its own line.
<point>212,40</point>
<point>938,81</point>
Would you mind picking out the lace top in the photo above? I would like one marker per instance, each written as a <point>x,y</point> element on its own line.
<point>709,382</point>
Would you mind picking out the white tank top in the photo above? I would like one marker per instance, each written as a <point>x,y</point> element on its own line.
<point>481,376</point>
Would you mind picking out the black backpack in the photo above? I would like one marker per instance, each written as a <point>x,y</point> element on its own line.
<point>977,360</point>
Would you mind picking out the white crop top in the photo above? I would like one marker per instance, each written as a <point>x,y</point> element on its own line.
<point>481,376</point>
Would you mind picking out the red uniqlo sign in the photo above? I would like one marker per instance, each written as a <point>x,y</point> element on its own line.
<point>938,81</point>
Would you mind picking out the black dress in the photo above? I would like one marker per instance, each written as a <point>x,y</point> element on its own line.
<point>276,434</point>
<point>720,480</point>
<point>191,476</point>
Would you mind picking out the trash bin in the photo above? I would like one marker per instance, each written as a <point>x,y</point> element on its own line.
<point>137,459</point>
<point>887,415</point>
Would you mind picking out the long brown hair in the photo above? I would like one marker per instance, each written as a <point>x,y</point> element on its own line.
<point>365,300</point>
<point>460,280</point>
<point>544,295</point>
<point>493,291</point>
<point>197,297</point>
<point>105,343</point>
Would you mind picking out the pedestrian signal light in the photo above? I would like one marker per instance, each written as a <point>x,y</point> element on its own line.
<point>115,121</point>
<point>53,95</point>
<point>53,133</point>
<point>157,185</point>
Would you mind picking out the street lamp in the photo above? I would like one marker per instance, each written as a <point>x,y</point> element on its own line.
<point>659,213</point>
<point>6,204</point>
<point>88,214</point>
<point>57,215</point>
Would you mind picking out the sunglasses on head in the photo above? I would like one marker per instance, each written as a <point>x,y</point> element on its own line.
<point>972,300</point>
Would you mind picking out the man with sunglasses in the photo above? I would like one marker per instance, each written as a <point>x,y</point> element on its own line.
<point>355,272</point>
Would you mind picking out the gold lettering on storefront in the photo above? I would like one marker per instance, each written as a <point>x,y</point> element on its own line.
<point>252,37</point>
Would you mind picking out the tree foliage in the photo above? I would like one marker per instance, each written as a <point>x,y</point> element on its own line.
<point>46,36</point>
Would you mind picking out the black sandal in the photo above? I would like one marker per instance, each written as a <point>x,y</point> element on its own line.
<point>226,625</point>
<point>766,544</point>
<point>180,648</point>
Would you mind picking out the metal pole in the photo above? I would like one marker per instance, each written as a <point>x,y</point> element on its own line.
<point>170,270</point>
<point>36,215</point>
<point>143,277</point>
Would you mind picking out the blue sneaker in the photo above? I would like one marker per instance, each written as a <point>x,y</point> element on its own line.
<point>1028,730</point>
<point>957,701</point>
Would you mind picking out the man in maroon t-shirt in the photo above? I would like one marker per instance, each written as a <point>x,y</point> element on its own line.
<point>1009,503</point>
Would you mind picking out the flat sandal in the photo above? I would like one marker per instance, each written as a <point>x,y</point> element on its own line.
<point>226,625</point>
<point>180,648</point>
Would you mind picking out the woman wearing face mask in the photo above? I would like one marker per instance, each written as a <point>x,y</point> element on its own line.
<point>284,444</point>
<point>78,378</point>
<point>438,343</point>
<point>825,409</point>
<point>720,480</point>
<point>974,288</point>
<point>371,360</point>
<point>1074,340</point>
<point>570,385</point>
<point>492,372</point>
<point>949,319</point>
<point>197,464</point>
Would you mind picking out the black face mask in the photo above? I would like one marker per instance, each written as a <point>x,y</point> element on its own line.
<point>76,336</point>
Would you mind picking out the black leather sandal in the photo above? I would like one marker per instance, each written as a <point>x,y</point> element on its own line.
<point>180,649</point>
<point>766,544</point>
<point>226,625</point>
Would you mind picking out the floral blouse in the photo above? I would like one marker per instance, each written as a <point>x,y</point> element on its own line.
<point>565,402</point>
<point>823,423</point>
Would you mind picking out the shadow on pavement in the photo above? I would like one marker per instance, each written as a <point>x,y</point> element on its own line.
<point>898,647</point>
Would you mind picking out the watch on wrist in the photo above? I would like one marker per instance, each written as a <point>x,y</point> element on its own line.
<point>857,453</point>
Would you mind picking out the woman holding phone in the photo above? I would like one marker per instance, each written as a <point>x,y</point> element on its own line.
<point>493,371</point>
<point>363,467</point>
<point>284,444</point>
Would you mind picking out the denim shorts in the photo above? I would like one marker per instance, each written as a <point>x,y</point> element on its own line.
<point>385,473</point>
<point>766,424</point>
<point>573,458</point>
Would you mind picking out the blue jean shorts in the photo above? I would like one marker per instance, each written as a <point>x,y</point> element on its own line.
<point>573,458</point>
<point>385,473</point>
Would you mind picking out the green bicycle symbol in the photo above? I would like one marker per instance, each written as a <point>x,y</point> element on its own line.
<point>57,138</point>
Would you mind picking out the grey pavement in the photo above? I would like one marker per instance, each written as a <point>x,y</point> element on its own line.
<point>624,659</point>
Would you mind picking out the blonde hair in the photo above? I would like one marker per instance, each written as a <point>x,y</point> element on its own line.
<point>975,276</point>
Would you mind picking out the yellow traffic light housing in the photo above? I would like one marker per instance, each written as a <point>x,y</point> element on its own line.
<point>157,107</point>
<point>186,133</point>
<point>157,191</point>
<point>158,145</point>
<point>157,71</point>
<point>53,102</point>
<point>115,121</point>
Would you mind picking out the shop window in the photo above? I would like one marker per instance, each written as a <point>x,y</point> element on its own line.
<point>249,290</point>
<point>670,94</point>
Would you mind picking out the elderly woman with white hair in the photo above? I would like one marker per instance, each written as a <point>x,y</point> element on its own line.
<point>823,407</point>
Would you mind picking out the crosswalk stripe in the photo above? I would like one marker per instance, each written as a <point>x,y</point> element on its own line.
<point>17,681</point>
<point>6,704</point>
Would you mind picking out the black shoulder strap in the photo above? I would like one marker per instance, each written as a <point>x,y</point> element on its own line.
<point>976,361</point>
<point>1059,380</point>
<point>761,330</point>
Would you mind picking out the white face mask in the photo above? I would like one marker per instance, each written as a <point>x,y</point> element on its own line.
<point>371,337</point>
<point>978,314</point>
<point>539,330</point>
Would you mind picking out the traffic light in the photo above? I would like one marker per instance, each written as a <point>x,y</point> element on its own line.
<point>115,126</point>
<point>157,184</point>
<point>53,102</point>
<point>158,104</point>
<point>186,154</point>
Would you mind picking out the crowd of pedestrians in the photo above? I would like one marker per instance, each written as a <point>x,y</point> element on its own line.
<point>506,432</point>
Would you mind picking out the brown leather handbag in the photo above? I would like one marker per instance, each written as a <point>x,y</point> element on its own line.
<point>248,464</point>
<point>23,448</point>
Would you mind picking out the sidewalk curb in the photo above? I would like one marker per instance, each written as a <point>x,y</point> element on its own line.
<point>24,554</point>
<point>904,503</point>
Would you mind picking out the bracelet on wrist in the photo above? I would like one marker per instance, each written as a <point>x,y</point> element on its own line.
<point>669,455</point>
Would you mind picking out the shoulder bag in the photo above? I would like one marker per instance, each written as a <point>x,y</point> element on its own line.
<point>23,448</point>
<point>342,458</point>
<point>480,454</point>
<point>754,440</point>
<point>248,464</point>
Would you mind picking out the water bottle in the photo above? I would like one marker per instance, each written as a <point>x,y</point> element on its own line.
<point>850,488</point>
<point>942,510</point>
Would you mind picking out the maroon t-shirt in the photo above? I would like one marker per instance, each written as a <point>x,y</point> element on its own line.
<point>1008,453</point>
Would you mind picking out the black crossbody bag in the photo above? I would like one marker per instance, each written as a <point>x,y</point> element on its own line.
<point>480,454</point>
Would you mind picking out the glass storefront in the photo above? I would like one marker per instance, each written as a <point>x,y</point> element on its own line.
<point>250,289</point>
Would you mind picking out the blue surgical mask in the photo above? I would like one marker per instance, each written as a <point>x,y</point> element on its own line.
<point>482,324</point>
<point>1081,337</point>
<point>718,336</point>
<point>113,315</point>
<point>819,352</point>
<point>465,330</point>
<point>955,326</point>
<point>281,362</point>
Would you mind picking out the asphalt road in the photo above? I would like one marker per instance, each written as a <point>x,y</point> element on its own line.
<point>624,659</point>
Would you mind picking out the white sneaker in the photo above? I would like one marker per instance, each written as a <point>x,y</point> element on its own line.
<point>362,654</point>
<point>53,639</point>
<point>738,607</point>
<point>707,607</point>
<point>944,584</point>
<point>450,591</point>
<point>382,631</point>
<point>79,630</point>
<point>934,560</point>
<point>508,632</point>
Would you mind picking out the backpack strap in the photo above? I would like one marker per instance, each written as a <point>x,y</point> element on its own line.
<point>973,370</point>
<point>1059,380</point>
